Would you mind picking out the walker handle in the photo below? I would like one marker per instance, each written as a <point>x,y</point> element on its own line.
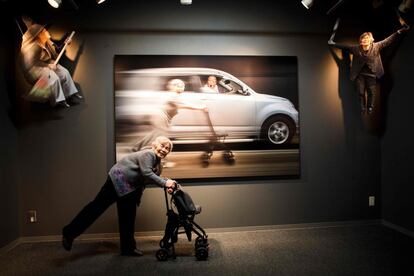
<point>166,196</point>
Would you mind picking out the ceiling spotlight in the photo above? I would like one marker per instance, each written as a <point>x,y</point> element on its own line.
<point>55,3</point>
<point>185,2</point>
<point>99,1</point>
<point>307,3</point>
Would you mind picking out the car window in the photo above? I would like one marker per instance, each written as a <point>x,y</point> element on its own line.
<point>126,81</point>
<point>230,87</point>
<point>191,83</point>
<point>203,87</point>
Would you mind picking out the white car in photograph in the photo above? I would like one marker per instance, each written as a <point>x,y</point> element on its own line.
<point>235,110</point>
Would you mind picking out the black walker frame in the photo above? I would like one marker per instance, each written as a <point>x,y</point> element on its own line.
<point>184,218</point>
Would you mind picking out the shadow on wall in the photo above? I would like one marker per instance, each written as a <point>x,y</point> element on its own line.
<point>387,84</point>
<point>354,122</point>
<point>348,96</point>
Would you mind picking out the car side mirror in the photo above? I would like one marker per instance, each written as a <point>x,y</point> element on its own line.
<point>226,84</point>
<point>244,92</point>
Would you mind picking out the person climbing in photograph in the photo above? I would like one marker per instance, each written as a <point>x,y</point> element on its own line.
<point>367,68</point>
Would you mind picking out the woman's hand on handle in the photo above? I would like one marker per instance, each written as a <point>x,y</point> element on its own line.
<point>170,185</point>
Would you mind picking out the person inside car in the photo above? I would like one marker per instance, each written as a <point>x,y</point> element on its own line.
<point>211,85</point>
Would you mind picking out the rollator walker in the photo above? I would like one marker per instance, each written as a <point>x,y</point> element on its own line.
<point>183,218</point>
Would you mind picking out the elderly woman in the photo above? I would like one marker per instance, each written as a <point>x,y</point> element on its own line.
<point>51,82</point>
<point>124,185</point>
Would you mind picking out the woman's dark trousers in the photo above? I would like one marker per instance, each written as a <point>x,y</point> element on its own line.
<point>93,210</point>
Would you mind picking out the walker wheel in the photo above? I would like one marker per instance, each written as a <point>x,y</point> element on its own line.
<point>200,242</point>
<point>162,254</point>
<point>162,243</point>
<point>228,156</point>
<point>206,155</point>
<point>205,159</point>
<point>201,253</point>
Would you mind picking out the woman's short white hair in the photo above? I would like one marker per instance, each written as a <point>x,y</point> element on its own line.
<point>176,83</point>
<point>162,140</point>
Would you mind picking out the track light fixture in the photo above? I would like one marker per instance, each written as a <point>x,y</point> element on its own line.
<point>185,2</point>
<point>307,3</point>
<point>55,3</point>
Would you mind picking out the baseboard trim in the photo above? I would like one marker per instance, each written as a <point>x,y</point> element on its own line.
<point>296,226</point>
<point>10,246</point>
<point>398,228</point>
<point>112,236</point>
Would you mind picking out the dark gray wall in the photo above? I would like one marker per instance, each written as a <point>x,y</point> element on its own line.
<point>66,159</point>
<point>9,224</point>
<point>397,144</point>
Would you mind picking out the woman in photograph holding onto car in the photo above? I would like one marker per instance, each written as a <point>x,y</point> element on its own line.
<point>162,121</point>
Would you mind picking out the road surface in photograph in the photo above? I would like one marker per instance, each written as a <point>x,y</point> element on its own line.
<point>189,164</point>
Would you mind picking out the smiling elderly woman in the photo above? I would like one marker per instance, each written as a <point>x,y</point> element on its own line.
<point>124,185</point>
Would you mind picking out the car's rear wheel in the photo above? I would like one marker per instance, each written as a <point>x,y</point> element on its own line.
<point>278,130</point>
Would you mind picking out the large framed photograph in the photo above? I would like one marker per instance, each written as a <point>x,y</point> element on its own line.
<point>228,116</point>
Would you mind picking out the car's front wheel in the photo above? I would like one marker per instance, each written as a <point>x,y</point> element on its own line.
<point>278,130</point>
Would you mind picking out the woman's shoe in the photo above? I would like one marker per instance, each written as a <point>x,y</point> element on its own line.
<point>64,104</point>
<point>133,253</point>
<point>67,243</point>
